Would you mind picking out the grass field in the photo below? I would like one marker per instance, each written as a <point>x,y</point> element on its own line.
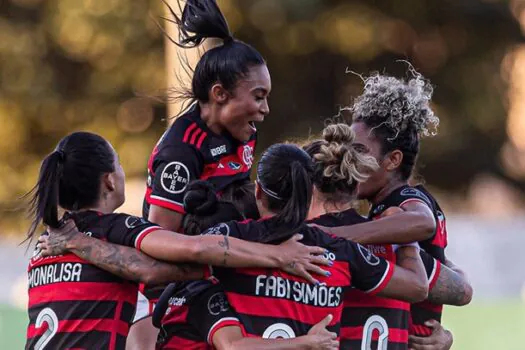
<point>480,326</point>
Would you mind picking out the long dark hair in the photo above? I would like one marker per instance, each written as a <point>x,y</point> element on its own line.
<point>284,174</point>
<point>70,178</point>
<point>204,209</point>
<point>227,63</point>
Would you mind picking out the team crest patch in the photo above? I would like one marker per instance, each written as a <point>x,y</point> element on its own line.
<point>247,155</point>
<point>370,258</point>
<point>175,177</point>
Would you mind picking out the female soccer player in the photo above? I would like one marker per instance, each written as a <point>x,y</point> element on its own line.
<point>339,167</point>
<point>215,139</point>
<point>183,312</point>
<point>272,304</point>
<point>81,305</point>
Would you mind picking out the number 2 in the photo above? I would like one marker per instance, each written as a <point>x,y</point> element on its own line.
<point>46,316</point>
<point>378,323</point>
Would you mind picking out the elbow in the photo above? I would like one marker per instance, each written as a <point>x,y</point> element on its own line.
<point>467,295</point>
<point>427,227</point>
<point>419,292</point>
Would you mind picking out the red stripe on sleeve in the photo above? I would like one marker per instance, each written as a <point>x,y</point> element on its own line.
<point>201,140</point>
<point>225,322</point>
<point>384,282</point>
<point>188,132</point>
<point>163,203</point>
<point>194,136</point>
<point>434,279</point>
<point>143,235</point>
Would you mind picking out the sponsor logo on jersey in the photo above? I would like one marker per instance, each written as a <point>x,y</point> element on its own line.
<point>414,192</point>
<point>369,257</point>
<point>177,301</point>
<point>234,165</point>
<point>306,293</point>
<point>175,177</point>
<point>217,303</point>
<point>247,155</point>
<point>217,151</point>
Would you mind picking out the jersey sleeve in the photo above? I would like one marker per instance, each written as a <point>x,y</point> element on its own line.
<point>174,168</point>
<point>130,230</point>
<point>432,268</point>
<point>210,311</point>
<point>369,272</point>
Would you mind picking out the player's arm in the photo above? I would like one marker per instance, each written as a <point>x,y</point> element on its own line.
<point>125,262</point>
<point>414,222</point>
<point>227,251</point>
<point>167,218</point>
<point>451,287</point>
<point>409,280</point>
<point>440,339</point>
<point>319,338</point>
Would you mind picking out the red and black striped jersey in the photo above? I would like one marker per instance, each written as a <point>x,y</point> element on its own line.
<point>273,304</point>
<point>369,321</point>
<point>75,305</point>
<point>189,313</point>
<point>434,246</point>
<point>189,151</point>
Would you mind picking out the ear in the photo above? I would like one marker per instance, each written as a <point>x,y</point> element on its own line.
<point>394,160</point>
<point>219,94</point>
<point>258,191</point>
<point>109,181</point>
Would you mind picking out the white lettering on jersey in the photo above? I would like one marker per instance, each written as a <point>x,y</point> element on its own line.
<point>54,273</point>
<point>278,287</point>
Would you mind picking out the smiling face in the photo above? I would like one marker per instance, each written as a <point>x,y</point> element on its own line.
<point>247,104</point>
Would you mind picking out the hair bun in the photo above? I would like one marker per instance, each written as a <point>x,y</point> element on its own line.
<point>200,198</point>
<point>338,133</point>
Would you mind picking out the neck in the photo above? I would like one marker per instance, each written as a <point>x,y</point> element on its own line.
<point>321,206</point>
<point>209,114</point>
<point>101,207</point>
<point>386,190</point>
<point>266,213</point>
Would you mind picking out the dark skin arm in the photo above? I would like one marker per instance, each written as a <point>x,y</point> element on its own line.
<point>167,218</point>
<point>451,287</point>
<point>409,281</point>
<point>318,338</point>
<point>415,223</point>
<point>122,261</point>
<point>440,339</point>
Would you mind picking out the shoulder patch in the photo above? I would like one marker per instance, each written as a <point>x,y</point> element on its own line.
<point>175,177</point>
<point>221,229</point>
<point>134,221</point>
<point>414,192</point>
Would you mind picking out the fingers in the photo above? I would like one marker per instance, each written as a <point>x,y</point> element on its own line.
<point>326,321</point>
<point>334,345</point>
<point>297,237</point>
<point>311,268</point>
<point>320,260</point>
<point>420,341</point>
<point>315,250</point>
<point>433,324</point>
<point>301,272</point>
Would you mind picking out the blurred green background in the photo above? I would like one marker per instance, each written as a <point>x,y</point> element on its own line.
<point>104,66</point>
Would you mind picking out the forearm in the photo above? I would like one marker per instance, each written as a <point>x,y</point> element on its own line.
<point>400,228</point>
<point>215,250</point>
<point>451,288</point>
<point>128,263</point>
<point>301,343</point>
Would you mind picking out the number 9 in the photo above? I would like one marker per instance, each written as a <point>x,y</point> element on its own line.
<point>46,316</point>
<point>279,330</point>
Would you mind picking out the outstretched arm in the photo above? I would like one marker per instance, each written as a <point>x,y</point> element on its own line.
<point>451,287</point>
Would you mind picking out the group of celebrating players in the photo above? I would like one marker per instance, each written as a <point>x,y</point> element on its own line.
<point>283,262</point>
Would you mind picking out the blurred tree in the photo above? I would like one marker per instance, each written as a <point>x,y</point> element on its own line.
<point>85,64</point>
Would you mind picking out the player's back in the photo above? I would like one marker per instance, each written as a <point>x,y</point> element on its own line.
<point>273,304</point>
<point>369,320</point>
<point>72,303</point>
